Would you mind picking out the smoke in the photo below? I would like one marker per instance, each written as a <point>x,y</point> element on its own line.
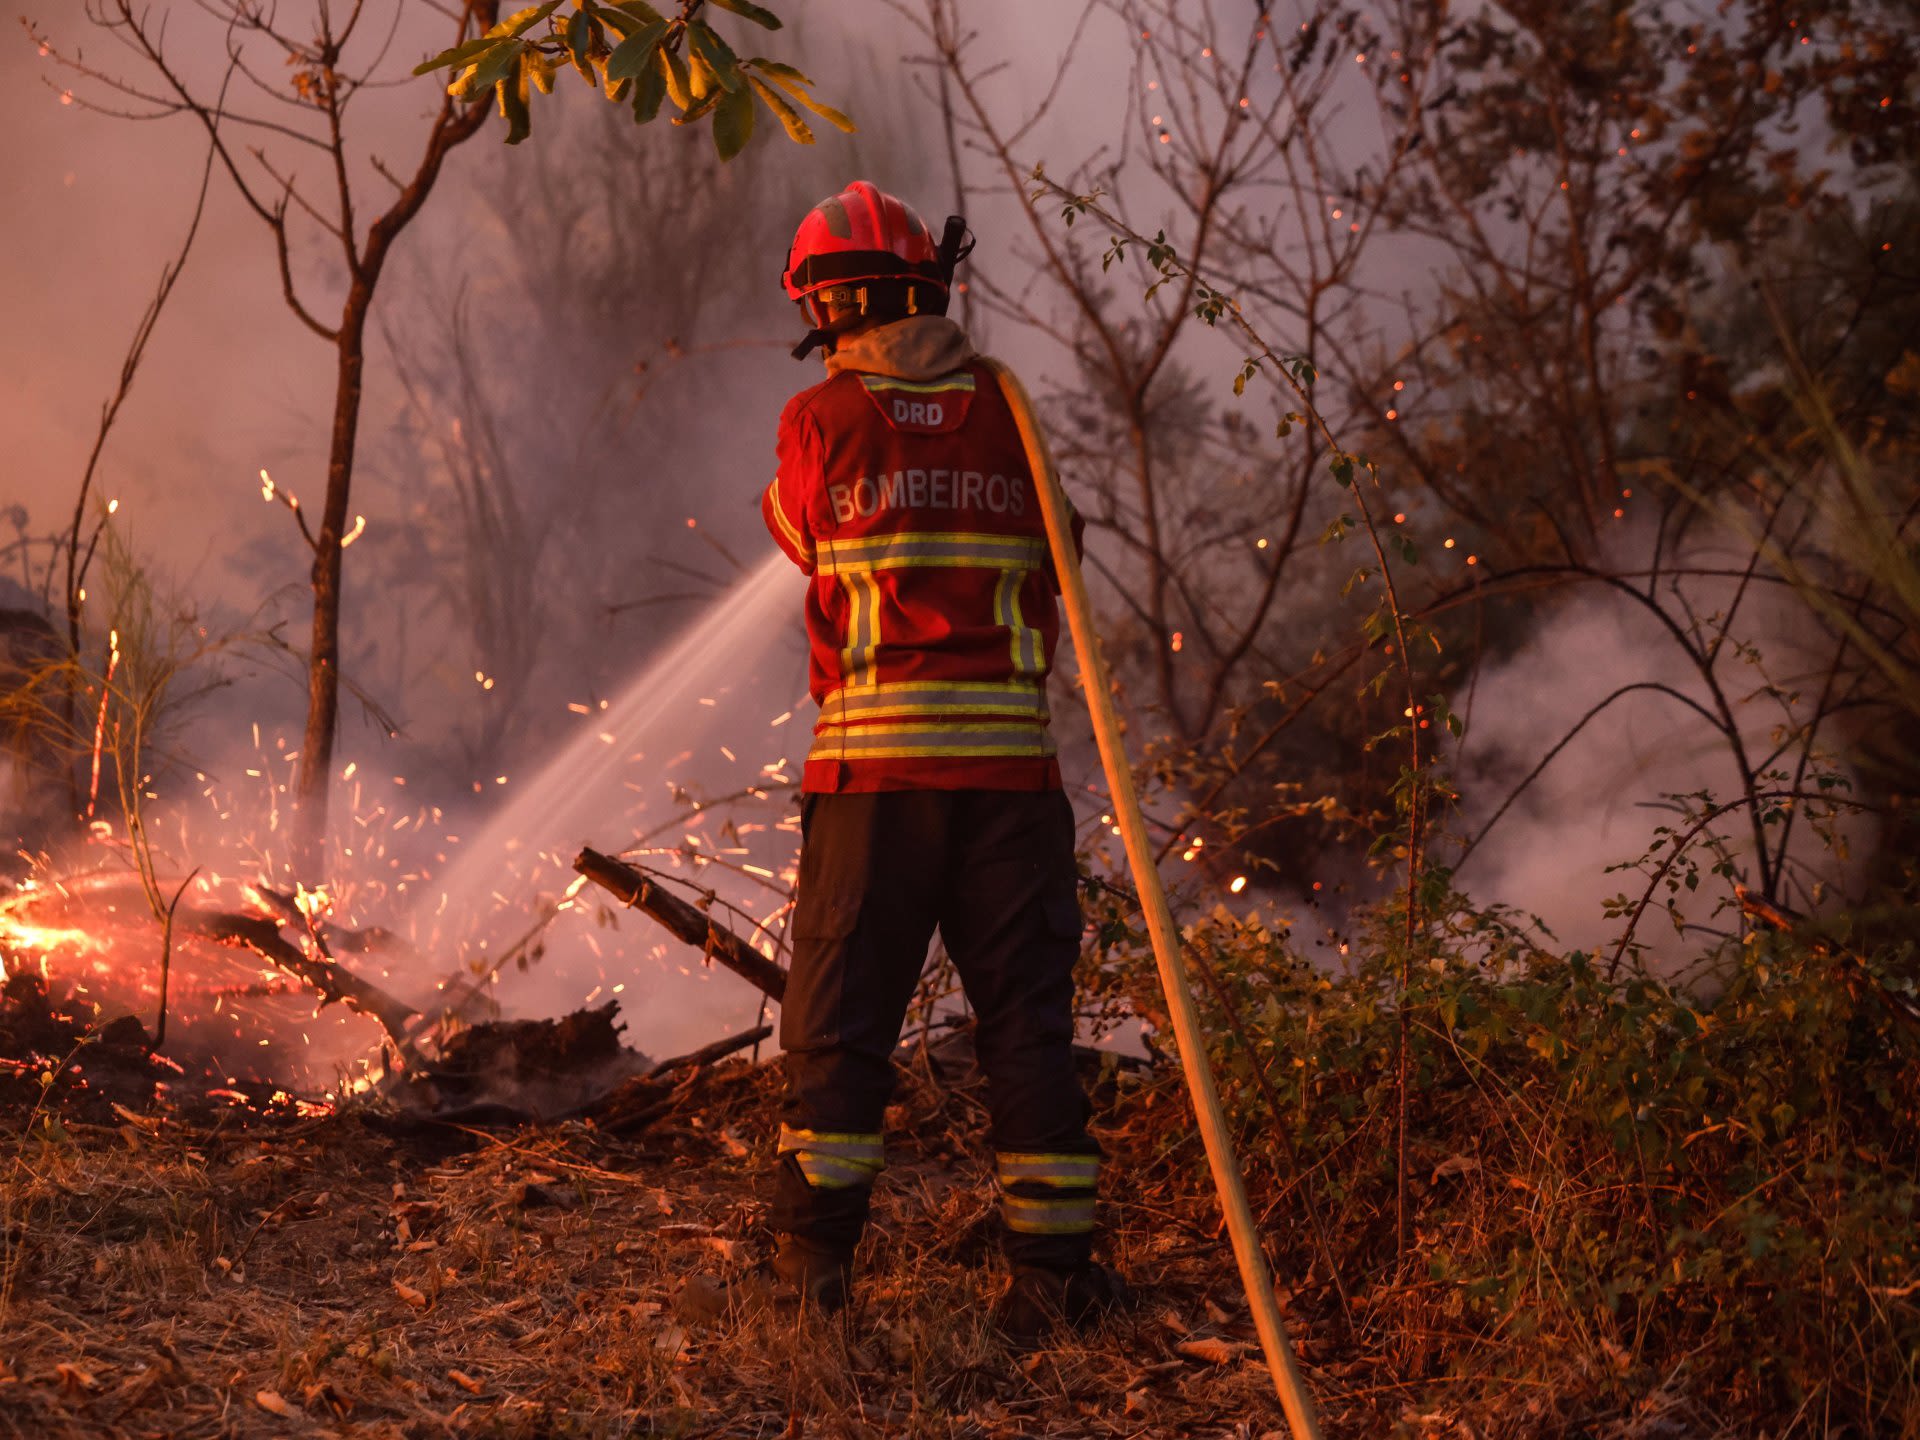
<point>578,362</point>
<point>674,348</point>
<point>1597,804</point>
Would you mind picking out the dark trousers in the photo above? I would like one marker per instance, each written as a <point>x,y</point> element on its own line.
<point>994,871</point>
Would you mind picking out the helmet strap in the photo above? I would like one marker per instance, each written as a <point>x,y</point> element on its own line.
<point>854,304</point>
<point>956,244</point>
<point>814,340</point>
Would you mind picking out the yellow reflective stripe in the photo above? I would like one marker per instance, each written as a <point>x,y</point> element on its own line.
<point>1081,1171</point>
<point>833,1160</point>
<point>830,1172</point>
<point>918,387</point>
<point>936,697</point>
<point>835,751</point>
<point>863,628</point>
<point>1002,615</point>
<point>834,1142</point>
<point>928,549</point>
<point>794,537</point>
<point>1047,1217</point>
<point>976,539</point>
<point>1023,639</point>
<point>877,742</point>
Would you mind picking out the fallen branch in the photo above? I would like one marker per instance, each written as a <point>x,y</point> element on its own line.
<point>639,891</point>
<point>335,983</point>
<point>336,937</point>
<point>707,1054</point>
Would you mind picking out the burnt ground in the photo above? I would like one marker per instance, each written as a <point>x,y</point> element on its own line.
<point>221,1273</point>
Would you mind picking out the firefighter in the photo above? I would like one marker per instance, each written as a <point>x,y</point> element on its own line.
<point>931,793</point>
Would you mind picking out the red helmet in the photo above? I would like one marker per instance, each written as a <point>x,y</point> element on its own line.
<point>862,234</point>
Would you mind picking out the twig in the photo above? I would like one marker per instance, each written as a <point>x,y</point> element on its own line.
<point>166,959</point>
<point>1679,846</point>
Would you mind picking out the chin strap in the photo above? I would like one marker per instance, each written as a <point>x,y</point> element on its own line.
<point>814,340</point>
<point>956,243</point>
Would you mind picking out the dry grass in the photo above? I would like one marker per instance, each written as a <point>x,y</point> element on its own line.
<point>342,1276</point>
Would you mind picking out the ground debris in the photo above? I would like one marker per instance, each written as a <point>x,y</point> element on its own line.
<point>570,1281</point>
<point>522,1071</point>
<point>56,1055</point>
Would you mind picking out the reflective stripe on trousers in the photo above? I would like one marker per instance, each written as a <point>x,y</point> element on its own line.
<point>1048,1194</point>
<point>833,1160</point>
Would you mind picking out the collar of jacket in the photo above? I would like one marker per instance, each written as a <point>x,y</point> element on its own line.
<point>920,347</point>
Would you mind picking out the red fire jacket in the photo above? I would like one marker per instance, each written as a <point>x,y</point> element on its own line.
<point>932,614</point>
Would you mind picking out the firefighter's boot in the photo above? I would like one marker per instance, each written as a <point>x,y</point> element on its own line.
<point>820,1276</point>
<point>1040,1299</point>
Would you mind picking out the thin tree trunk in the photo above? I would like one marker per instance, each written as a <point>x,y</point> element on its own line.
<point>453,126</point>
<point>323,685</point>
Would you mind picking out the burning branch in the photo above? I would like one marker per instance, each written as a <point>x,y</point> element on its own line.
<point>261,934</point>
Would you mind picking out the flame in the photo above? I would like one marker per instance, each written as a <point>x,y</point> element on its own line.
<point>21,938</point>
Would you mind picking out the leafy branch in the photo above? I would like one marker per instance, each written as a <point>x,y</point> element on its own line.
<point>636,56</point>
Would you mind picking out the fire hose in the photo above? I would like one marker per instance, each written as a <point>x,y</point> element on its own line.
<point>1190,1041</point>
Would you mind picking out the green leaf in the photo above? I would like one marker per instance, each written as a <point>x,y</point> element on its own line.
<point>619,20</point>
<point>522,21</point>
<point>717,55</point>
<point>580,45</point>
<point>633,56</point>
<point>797,129</point>
<point>501,61</point>
<point>458,55</point>
<point>733,123</point>
<point>764,18</point>
<point>649,89</point>
<point>639,8</point>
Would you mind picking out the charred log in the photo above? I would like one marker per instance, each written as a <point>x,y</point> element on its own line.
<point>541,1072</point>
<point>371,940</point>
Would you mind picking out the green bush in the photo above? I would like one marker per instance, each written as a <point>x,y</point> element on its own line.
<point>1648,1193</point>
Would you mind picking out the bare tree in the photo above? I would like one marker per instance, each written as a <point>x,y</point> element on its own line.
<point>1221,154</point>
<point>302,170</point>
